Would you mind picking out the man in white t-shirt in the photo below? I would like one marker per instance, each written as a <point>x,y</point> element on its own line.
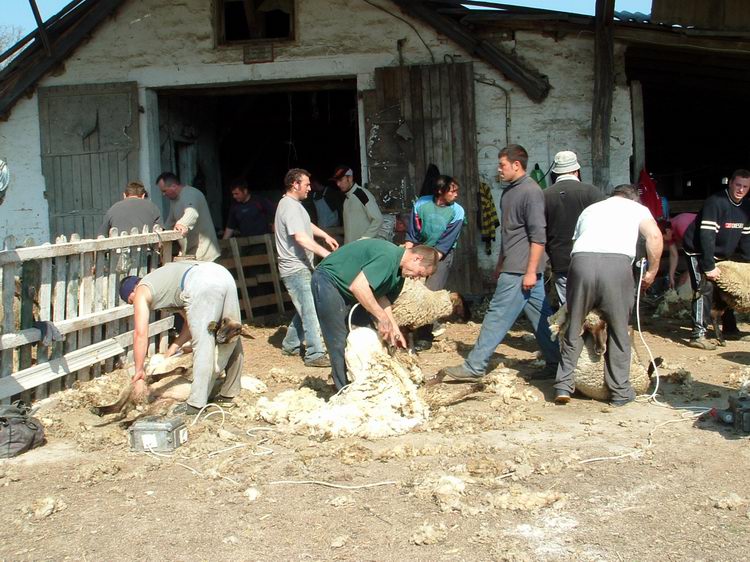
<point>296,247</point>
<point>601,276</point>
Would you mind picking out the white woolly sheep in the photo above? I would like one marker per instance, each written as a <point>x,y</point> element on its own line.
<point>588,377</point>
<point>732,290</point>
<point>418,306</point>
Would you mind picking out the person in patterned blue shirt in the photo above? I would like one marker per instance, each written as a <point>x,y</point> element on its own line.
<point>436,221</point>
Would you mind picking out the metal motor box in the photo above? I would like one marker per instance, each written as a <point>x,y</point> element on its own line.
<point>740,408</point>
<point>156,433</point>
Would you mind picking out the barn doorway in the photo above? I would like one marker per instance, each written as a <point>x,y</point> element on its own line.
<point>215,135</point>
<point>694,119</point>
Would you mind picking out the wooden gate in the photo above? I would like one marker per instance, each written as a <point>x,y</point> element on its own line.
<point>90,142</point>
<point>422,115</point>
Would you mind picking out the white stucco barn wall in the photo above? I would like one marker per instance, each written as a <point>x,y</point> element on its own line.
<point>160,43</point>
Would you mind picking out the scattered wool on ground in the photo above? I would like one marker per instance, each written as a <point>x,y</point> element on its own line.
<point>380,401</point>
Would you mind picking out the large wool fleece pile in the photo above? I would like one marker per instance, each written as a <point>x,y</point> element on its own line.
<point>588,377</point>
<point>381,399</point>
<point>734,283</point>
<point>418,306</point>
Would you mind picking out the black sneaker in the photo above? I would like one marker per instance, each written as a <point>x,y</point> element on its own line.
<point>185,409</point>
<point>548,372</point>
<point>422,345</point>
<point>224,401</point>
<point>701,343</point>
<point>621,402</point>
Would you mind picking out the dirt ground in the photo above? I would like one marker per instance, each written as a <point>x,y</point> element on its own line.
<point>495,476</point>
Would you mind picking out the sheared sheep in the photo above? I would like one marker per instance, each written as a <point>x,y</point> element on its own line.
<point>588,377</point>
<point>731,290</point>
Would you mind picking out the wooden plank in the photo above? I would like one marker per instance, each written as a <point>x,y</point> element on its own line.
<point>45,315</point>
<point>71,303</point>
<point>8,298</point>
<point>71,248</point>
<point>435,123</point>
<point>85,304</point>
<point>72,362</point>
<point>264,300</point>
<point>417,128</point>
<point>101,280</point>
<point>277,290</point>
<point>446,121</point>
<point>29,289</point>
<point>110,327</point>
<point>67,326</point>
<point>639,129</point>
<point>241,277</point>
<point>601,111</point>
<point>427,116</point>
<point>58,311</point>
<point>471,180</point>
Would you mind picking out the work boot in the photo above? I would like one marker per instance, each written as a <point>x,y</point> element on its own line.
<point>621,402</point>
<point>224,401</point>
<point>562,397</point>
<point>422,345</point>
<point>701,343</point>
<point>459,373</point>
<point>185,409</point>
<point>548,372</point>
<point>320,361</point>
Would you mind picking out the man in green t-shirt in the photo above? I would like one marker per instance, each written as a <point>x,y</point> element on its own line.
<point>370,272</point>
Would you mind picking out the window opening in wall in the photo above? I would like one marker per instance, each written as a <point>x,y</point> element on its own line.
<point>243,21</point>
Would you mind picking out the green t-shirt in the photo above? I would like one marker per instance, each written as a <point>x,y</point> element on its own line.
<point>378,259</point>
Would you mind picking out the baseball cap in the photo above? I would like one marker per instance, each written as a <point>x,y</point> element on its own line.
<point>342,171</point>
<point>127,286</point>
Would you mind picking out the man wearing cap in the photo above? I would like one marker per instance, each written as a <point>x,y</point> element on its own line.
<point>189,214</point>
<point>563,203</point>
<point>362,217</point>
<point>206,294</point>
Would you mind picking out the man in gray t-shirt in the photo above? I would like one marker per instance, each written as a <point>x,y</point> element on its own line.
<point>296,248</point>
<point>133,211</point>
<point>207,294</point>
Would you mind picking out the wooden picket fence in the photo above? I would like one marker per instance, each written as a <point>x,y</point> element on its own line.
<point>73,284</point>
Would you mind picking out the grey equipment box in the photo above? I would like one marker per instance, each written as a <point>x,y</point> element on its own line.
<point>156,433</point>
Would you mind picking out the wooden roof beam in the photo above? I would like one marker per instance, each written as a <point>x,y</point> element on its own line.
<point>533,83</point>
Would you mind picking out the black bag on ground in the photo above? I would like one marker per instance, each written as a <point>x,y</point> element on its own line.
<point>18,431</point>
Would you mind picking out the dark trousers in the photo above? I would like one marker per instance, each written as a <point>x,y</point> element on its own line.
<point>603,281</point>
<point>703,300</point>
<point>332,316</point>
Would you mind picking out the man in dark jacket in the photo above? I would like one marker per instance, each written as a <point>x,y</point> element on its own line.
<point>721,229</point>
<point>563,204</point>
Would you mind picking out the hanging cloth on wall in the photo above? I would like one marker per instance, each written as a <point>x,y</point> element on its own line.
<point>488,219</point>
<point>649,197</point>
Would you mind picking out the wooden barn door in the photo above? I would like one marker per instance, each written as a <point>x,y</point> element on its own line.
<point>422,115</point>
<point>90,142</point>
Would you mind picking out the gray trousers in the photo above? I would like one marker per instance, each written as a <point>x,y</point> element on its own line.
<point>210,294</point>
<point>603,281</point>
<point>437,281</point>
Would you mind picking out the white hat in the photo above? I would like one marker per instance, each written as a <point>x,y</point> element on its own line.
<point>565,162</point>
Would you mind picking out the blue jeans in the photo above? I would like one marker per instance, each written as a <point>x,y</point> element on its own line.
<point>305,319</point>
<point>332,312</point>
<point>507,304</point>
